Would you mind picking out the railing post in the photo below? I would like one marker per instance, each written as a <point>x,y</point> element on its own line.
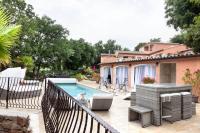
<point>58,111</point>
<point>8,88</point>
<point>45,85</point>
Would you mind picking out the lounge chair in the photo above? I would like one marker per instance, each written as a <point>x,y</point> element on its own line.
<point>101,102</point>
<point>16,75</point>
<point>13,78</point>
<point>27,82</point>
<point>11,72</point>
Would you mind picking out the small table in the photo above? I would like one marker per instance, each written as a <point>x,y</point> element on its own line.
<point>136,112</point>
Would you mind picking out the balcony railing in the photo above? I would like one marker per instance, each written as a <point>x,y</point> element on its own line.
<point>20,93</point>
<point>64,114</point>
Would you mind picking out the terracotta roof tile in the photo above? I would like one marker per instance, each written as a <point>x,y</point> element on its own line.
<point>158,57</point>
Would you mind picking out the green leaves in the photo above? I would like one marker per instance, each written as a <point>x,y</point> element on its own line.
<point>108,47</point>
<point>141,44</point>
<point>8,35</point>
<point>46,42</point>
<point>84,54</point>
<point>24,61</point>
<point>137,47</point>
<point>192,38</point>
<point>155,40</point>
<point>185,15</point>
<point>181,13</point>
<point>178,39</point>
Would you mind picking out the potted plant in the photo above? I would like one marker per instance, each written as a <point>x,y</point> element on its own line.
<point>96,77</point>
<point>194,80</point>
<point>195,99</point>
<point>148,80</point>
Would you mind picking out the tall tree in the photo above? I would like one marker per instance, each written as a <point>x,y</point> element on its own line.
<point>141,44</point>
<point>178,39</point>
<point>184,14</point>
<point>45,40</point>
<point>84,54</point>
<point>126,49</point>
<point>8,35</point>
<point>192,38</point>
<point>20,13</point>
<point>155,40</point>
<point>109,47</point>
<point>99,48</point>
<point>181,13</point>
<point>137,47</point>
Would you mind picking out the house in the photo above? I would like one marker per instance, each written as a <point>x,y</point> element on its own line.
<point>164,62</point>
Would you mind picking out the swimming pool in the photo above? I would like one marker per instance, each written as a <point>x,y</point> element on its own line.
<point>76,89</point>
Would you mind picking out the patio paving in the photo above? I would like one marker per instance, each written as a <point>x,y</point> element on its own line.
<point>117,116</point>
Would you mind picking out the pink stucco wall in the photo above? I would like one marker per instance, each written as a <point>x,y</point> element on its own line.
<point>172,50</point>
<point>130,69</point>
<point>181,65</point>
<point>113,58</point>
<point>108,58</point>
<point>157,46</point>
<point>193,63</point>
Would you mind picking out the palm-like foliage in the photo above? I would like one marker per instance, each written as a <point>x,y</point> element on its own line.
<point>8,35</point>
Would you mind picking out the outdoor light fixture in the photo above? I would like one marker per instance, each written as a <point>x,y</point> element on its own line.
<point>157,63</point>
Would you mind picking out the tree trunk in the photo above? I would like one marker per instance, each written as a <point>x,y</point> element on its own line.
<point>34,74</point>
<point>38,69</point>
<point>61,65</point>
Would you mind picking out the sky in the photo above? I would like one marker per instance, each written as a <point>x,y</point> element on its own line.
<point>126,21</point>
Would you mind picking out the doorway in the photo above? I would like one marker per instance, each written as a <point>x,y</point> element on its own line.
<point>168,73</point>
<point>107,75</point>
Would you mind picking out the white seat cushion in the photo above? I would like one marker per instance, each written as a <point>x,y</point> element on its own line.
<point>102,96</point>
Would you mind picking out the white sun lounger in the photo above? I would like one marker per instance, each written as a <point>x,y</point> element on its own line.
<point>101,102</point>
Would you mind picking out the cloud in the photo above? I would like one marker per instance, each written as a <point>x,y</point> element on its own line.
<point>127,21</point>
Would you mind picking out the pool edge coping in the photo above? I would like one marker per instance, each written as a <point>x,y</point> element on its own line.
<point>94,87</point>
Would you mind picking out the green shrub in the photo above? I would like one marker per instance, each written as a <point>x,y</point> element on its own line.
<point>24,61</point>
<point>88,71</point>
<point>194,80</point>
<point>79,76</point>
<point>96,77</point>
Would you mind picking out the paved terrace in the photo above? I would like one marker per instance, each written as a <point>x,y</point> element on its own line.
<point>36,116</point>
<point>118,118</point>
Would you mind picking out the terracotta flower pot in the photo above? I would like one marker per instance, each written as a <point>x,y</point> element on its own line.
<point>195,99</point>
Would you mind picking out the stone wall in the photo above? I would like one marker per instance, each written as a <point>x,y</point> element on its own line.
<point>11,124</point>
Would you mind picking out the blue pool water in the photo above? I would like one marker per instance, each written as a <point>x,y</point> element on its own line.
<point>76,89</point>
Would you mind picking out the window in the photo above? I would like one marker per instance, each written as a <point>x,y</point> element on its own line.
<point>146,48</point>
<point>151,47</point>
